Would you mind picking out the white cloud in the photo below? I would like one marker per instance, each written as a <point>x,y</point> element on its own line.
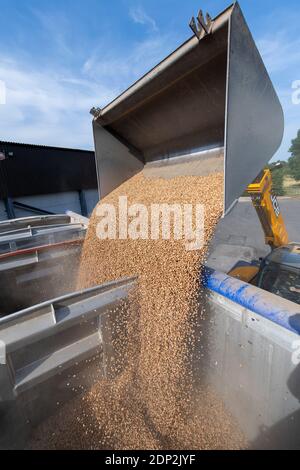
<point>279,52</point>
<point>48,108</point>
<point>56,26</point>
<point>119,71</point>
<point>51,106</point>
<point>139,16</point>
<point>2,92</point>
<point>292,122</point>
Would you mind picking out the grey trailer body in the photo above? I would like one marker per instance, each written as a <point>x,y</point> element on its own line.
<point>42,341</point>
<point>53,351</point>
<point>28,222</point>
<point>39,259</point>
<point>22,239</point>
<point>252,360</point>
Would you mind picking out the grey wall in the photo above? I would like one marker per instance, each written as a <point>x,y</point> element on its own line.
<point>92,199</point>
<point>3,215</point>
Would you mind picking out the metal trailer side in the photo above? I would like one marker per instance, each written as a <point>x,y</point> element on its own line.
<point>43,340</point>
<point>39,259</point>
<point>34,221</point>
<point>43,349</point>
<point>252,359</point>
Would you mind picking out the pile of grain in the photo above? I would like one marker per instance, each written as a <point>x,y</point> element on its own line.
<point>151,403</point>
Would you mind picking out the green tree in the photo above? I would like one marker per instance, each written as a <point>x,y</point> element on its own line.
<point>294,160</point>
<point>277,181</point>
<point>278,170</point>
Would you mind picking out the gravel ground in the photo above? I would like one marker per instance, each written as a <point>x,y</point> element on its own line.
<point>151,403</point>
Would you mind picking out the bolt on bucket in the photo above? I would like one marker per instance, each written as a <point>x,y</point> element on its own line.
<point>210,101</point>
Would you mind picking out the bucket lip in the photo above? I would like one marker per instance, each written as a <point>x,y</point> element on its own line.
<point>220,20</point>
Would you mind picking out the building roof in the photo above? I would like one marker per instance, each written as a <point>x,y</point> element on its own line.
<point>50,147</point>
<point>39,169</point>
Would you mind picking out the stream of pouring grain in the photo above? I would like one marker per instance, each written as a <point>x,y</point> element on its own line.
<point>150,404</point>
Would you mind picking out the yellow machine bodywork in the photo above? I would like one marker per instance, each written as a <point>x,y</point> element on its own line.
<point>268,210</point>
<point>269,214</point>
<point>244,273</point>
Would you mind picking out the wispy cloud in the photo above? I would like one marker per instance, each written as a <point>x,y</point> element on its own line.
<point>2,92</point>
<point>56,26</point>
<point>51,106</point>
<point>292,122</point>
<point>119,70</point>
<point>280,52</point>
<point>46,107</point>
<point>138,15</point>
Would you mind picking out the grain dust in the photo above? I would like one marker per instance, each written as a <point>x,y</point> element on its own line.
<point>151,402</point>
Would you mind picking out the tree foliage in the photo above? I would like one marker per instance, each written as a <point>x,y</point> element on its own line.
<point>278,171</point>
<point>277,181</point>
<point>294,160</point>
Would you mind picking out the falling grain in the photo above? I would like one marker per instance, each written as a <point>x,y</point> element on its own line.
<point>151,403</point>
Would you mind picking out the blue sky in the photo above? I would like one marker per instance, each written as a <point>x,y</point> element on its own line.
<point>58,58</point>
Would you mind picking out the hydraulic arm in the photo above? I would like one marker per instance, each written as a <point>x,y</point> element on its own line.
<point>268,210</point>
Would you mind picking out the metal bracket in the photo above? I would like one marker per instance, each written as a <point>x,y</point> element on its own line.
<point>201,28</point>
<point>95,112</point>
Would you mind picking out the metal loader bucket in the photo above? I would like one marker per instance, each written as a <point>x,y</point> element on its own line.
<point>213,92</point>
